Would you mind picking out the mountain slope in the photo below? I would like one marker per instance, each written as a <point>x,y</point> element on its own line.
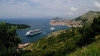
<point>88,17</point>
<point>66,42</point>
<point>55,44</point>
<point>90,50</point>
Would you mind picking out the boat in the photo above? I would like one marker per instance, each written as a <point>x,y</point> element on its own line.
<point>52,28</point>
<point>33,32</point>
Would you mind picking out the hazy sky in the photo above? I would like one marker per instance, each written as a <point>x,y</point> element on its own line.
<point>46,8</point>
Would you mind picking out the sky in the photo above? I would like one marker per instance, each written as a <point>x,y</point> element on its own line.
<point>46,8</point>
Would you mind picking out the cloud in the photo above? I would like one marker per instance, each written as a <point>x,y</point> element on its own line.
<point>73,11</point>
<point>46,8</point>
<point>14,9</point>
<point>97,4</point>
<point>51,4</point>
<point>98,0</point>
<point>70,13</point>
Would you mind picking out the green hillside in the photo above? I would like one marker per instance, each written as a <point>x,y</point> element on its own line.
<point>88,17</point>
<point>90,50</point>
<point>67,42</point>
<point>55,44</point>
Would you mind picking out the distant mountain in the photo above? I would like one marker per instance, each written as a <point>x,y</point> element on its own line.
<point>88,17</point>
<point>57,19</point>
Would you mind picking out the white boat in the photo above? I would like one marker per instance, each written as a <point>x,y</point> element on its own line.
<point>52,28</point>
<point>33,32</point>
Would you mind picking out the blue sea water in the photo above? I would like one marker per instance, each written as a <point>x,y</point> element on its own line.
<point>42,24</point>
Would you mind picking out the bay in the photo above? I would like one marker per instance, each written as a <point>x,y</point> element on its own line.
<point>40,23</point>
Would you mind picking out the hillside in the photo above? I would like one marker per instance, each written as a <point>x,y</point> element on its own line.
<point>88,17</point>
<point>55,44</point>
<point>90,50</point>
<point>74,41</point>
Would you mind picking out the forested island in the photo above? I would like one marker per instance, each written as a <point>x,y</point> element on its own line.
<point>19,26</point>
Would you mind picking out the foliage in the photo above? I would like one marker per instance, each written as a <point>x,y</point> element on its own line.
<point>55,45</point>
<point>92,49</point>
<point>96,25</point>
<point>19,26</point>
<point>88,32</point>
<point>8,40</point>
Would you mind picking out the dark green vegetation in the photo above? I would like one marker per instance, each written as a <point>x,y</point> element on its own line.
<point>9,40</point>
<point>68,42</point>
<point>88,32</point>
<point>19,26</point>
<point>92,49</point>
<point>88,17</point>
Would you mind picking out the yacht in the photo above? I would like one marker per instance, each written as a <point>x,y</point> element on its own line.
<point>52,28</point>
<point>33,32</point>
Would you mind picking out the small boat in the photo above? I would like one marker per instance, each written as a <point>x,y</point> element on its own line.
<point>33,32</point>
<point>52,28</point>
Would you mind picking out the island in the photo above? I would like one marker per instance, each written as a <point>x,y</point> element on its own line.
<point>19,26</point>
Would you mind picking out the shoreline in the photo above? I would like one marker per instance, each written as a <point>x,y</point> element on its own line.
<point>69,23</point>
<point>24,29</point>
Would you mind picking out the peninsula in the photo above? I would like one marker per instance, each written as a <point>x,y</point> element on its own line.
<point>70,23</point>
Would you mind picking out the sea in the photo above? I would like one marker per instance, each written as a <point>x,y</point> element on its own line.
<point>41,23</point>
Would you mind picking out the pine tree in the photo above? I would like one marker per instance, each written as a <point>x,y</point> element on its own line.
<point>8,40</point>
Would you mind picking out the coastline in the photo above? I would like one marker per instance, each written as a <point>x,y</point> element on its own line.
<point>24,29</point>
<point>69,23</point>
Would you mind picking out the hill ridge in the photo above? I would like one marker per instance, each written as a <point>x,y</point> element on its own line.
<point>88,17</point>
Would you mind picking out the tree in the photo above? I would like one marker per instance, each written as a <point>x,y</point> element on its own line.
<point>96,25</point>
<point>9,40</point>
<point>87,35</point>
<point>88,32</point>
